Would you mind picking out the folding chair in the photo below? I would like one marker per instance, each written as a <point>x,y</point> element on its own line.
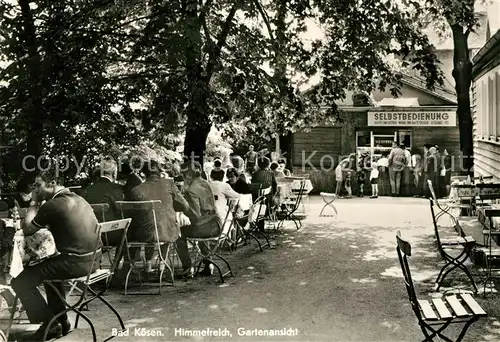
<point>230,225</point>
<point>256,214</point>
<point>93,277</point>
<point>466,243</point>
<point>289,208</point>
<point>213,246</point>
<point>267,210</point>
<point>249,219</point>
<point>486,217</point>
<point>445,206</point>
<point>100,210</point>
<point>328,198</point>
<point>438,314</point>
<point>162,261</point>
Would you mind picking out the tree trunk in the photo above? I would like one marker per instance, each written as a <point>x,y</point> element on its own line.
<point>198,118</point>
<point>286,149</point>
<point>34,111</point>
<point>280,66</point>
<point>462,73</point>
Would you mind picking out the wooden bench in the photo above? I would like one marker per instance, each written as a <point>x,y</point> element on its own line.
<point>435,315</point>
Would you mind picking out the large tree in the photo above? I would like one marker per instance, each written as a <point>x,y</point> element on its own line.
<point>56,94</point>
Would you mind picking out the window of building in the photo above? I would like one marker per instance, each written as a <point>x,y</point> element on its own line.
<point>363,138</point>
<point>404,137</point>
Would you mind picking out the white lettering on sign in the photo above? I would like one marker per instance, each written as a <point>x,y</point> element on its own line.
<point>424,118</point>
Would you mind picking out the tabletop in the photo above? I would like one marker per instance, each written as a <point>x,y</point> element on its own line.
<point>30,249</point>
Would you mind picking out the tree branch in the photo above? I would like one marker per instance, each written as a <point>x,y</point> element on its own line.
<point>221,40</point>
<point>208,37</point>
<point>468,31</point>
<point>149,16</point>
<point>265,17</point>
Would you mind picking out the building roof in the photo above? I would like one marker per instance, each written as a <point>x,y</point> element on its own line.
<point>484,58</point>
<point>399,102</point>
<point>444,93</point>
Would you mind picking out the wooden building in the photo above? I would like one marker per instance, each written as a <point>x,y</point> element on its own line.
<point>486,108</point>
<point>417,117</point>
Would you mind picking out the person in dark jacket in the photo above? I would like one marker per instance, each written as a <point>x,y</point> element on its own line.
<point>264,176</point>
<point>142,228</point>
<point>217,172</point>
<point>106,190</point>
<point>266,179</point>
<point>238,182</point>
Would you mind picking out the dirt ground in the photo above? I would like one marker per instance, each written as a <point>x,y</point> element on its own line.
<point>336,279</point>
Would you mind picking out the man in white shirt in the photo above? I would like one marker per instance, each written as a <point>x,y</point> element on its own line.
<point>339,174</point>
<point>397,164</point>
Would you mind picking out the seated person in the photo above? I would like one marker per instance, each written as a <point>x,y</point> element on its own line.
<point>283,168</point>
<point>105,189</point>
<point>23,199</point>
<point>142,228</point>
<point>217,171</point>
<point>202,213</point>
<point>72,223</point>
<point>238,163</point>
<point>264,176</point>
<point>277,172</point>
<point>222,193</point>
<point>238,182</point>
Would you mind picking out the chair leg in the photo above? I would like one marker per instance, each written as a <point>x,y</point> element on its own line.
<point>434,332</point>
<point>218,269</point>
<point>328,204</point>
<point>453,263</point>
<point>464,329</point>
<point>99,295</point>
<point>230,271</point>
<point>264,236</point>
<point>69,308</point>
<point>11,317</point>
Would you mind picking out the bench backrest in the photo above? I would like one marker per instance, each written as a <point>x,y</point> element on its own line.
<point>100,210</point>
<point>404,251</point>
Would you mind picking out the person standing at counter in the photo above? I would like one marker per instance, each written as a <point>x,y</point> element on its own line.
<point>397,162</point>
<point>406,179</point>
<point>416,165</point>
<point>433,170</point>
<point>384,185</point>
